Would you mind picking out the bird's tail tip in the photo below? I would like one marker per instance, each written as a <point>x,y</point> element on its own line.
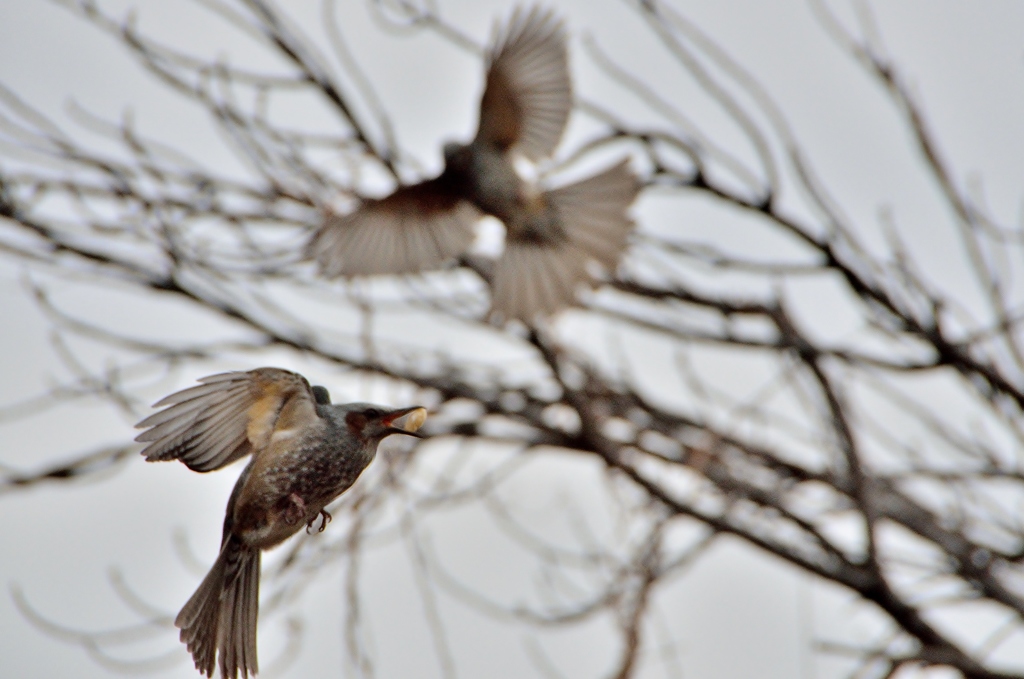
<point>220,617</point>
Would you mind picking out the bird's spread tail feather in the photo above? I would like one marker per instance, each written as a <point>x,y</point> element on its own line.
<point>593,212</point>
<point>534,278</point>
<point>221,615</point>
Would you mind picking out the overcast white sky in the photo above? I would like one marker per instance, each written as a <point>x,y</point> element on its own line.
<point>735,614</point>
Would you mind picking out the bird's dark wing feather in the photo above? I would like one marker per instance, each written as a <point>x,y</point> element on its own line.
<point>227,417</point>
<point>416,228</point>
<point>528,93</point>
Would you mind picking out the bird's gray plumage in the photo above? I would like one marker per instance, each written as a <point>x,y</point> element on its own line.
<point>551,236</point>
<point>305,453</point>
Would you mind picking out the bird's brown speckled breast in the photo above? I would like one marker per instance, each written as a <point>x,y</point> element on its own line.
<point>317,468</point>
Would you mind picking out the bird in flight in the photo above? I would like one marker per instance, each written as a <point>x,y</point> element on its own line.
<point>305,453</point>
<point>551,236</point>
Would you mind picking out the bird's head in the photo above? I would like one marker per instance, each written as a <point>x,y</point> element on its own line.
<point>369,422</point>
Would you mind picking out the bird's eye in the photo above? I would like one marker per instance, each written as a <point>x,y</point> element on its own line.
<point>373,413</point>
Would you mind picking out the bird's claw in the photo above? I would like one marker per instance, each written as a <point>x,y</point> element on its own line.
<point>326,519</point>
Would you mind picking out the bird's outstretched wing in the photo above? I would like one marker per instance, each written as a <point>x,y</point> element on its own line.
<point>541,269</point>
<point>528,94</point>
<point>226,417</point>
<point>417,227</point>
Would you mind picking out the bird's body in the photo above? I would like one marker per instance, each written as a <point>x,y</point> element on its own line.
<point>486,178</point>
<point>305,453</point>
<point>489,180</point>
<point>550,235</point>
<point>316,464</point>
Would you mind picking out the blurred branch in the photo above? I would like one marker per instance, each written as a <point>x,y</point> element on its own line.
<point>89,465</point>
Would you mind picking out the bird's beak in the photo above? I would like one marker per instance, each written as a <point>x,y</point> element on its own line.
<point>406,421</point>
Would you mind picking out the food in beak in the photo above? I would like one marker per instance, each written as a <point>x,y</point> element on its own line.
<point>412,420</point>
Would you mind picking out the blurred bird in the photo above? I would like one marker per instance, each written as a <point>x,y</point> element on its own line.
<point>550,236</point>
<point>305,453</point>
